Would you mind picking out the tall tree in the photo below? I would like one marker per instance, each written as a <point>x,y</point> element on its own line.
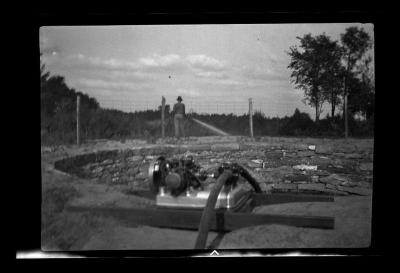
<point>362,95</point>
<point>316,66</point>
<point>332,78</point>
<point>355,43</point>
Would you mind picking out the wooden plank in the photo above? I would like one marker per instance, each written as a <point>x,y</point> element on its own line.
<point>160,217</point>
<point>260,199</point>
<point>240,220</point>
<point>190,219</point>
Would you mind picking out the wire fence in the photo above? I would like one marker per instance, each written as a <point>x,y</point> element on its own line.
<point>210,105</point>
<point>68,123</point>
<point>72,123</point>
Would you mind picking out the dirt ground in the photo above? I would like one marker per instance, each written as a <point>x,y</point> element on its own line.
<point>352,229</point>
<point>78,232</point>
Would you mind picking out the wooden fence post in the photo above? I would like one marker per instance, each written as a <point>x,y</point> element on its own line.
<point>163,117</point>
<point>251,116</point>
<point>78,102</point>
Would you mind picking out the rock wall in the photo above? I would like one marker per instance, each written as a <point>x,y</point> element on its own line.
<point>331,166</point>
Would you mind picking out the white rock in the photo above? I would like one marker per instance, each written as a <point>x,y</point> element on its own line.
<point>257,161</point>
<point>366,166</point>
<point>305,167</point>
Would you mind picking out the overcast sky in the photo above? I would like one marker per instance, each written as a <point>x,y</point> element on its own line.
<point>213,67</point>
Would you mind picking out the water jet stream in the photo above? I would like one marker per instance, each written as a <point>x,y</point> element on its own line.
<point>210,127</point>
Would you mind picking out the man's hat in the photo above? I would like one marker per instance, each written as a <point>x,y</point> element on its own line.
<point>179,98</point>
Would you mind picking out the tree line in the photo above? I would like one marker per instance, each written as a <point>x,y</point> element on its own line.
<point>326,70</point>
<point>58,120</point>
<point>337,72</point>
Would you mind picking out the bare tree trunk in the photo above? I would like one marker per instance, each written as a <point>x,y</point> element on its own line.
<point>333,102</point>
<point>317,105</point>
<point>316,113</point>
<point>346,129</point>
<point>345,110</point>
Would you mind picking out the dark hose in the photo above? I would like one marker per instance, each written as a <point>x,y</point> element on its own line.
<point>208,211</point>
<point>245,173</point>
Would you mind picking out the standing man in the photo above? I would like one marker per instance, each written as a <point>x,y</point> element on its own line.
<point>179,115</point>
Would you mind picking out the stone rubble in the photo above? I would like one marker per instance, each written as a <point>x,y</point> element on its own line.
<point>288,167</point>
<point>366,166</point>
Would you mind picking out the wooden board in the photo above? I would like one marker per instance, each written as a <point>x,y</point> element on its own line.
<point>262,199</point>
<point>190,219</point>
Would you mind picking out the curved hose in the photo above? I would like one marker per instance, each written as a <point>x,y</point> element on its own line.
<point>209,209</point>
<point>245,173</point>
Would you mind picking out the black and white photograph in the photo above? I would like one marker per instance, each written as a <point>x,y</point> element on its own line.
<point>211,137</point>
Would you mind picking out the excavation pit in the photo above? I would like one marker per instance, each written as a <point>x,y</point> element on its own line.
<point>130,167</point>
